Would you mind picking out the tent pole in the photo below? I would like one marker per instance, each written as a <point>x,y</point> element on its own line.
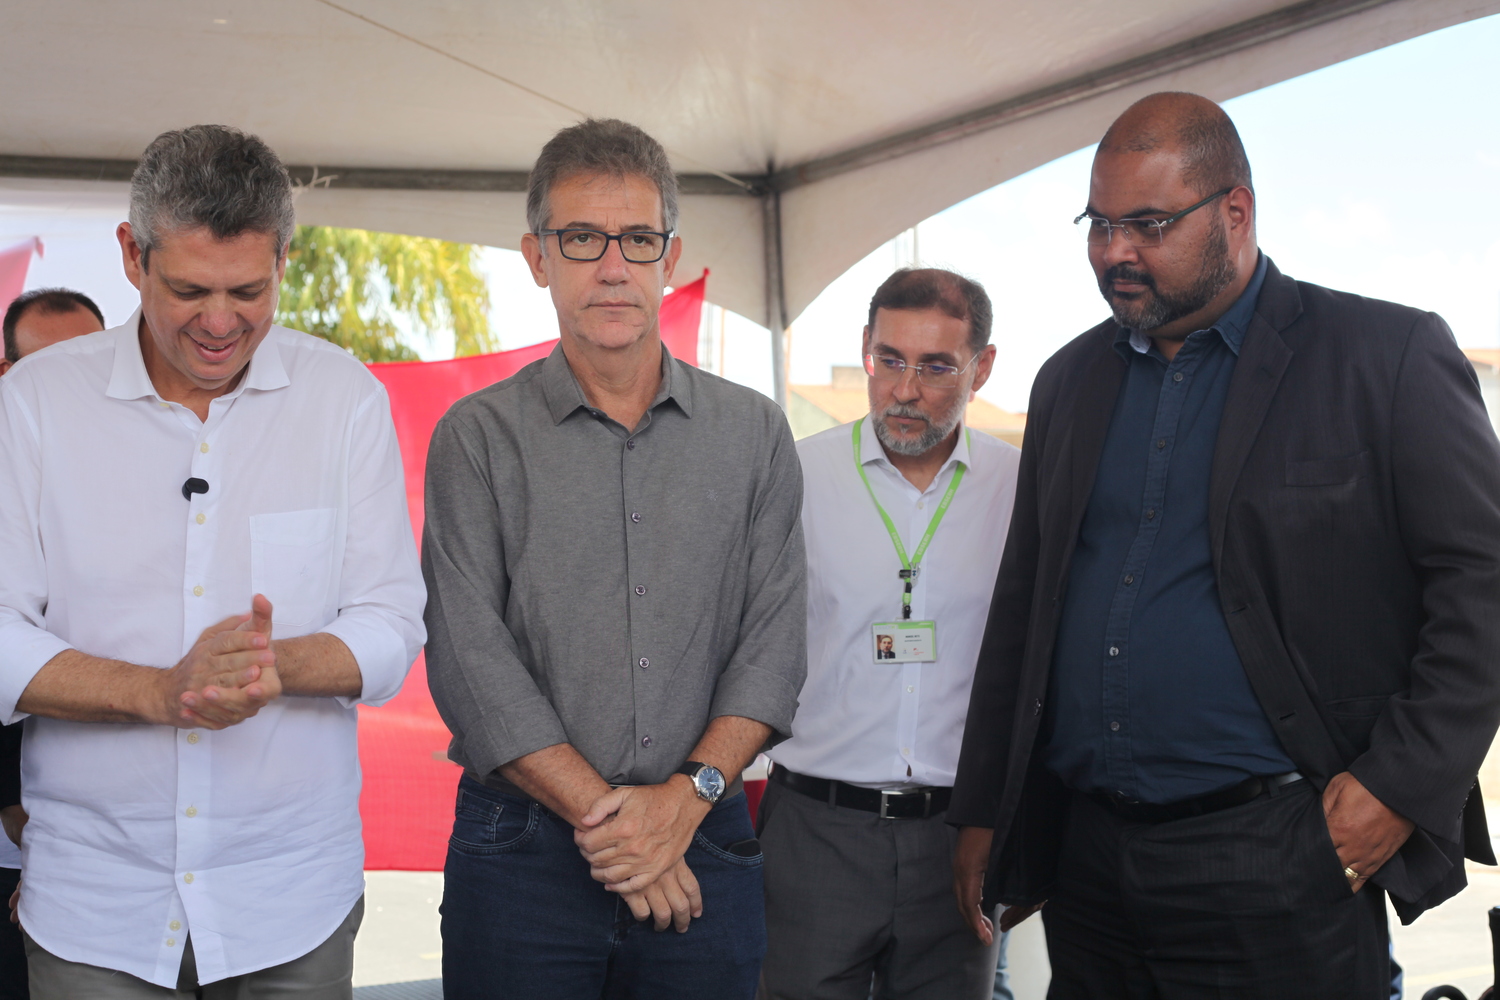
<point>775,292</point>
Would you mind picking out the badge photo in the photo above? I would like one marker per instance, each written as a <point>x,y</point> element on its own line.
<point>904,642</point>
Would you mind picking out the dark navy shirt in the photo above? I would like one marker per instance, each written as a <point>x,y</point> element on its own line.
<point>1148,696</point>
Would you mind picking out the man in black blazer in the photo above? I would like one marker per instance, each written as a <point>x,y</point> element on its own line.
<point>1243,658</point>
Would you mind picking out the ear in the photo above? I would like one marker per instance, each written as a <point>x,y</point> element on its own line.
<point>1239,204</point>
<point>131,255</point>
<point>4,365</point>
<point>531,249</point>
<point>669,262</point>
<point>982,368</point>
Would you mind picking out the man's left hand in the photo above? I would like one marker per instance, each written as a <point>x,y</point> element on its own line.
<point>1365,831</point>
<point>631,835</point>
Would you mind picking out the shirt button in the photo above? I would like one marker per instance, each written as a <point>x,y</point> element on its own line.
<point>906,750</point>
<point>192,737</point>
<point>921,505</point>
<point>640,591</point>
<point>645,741</point>
<point>188,878</point>
<point>203,447</point>
<point>910,688</point>
<point>1114,651</point>
<point>1151,514</point>
<point>201,518</point>
<point>190,811</point>
<point>1114,727</point>
<point>1129,579</point>
<point>630,444</point>
<point>645,662</point>
<point>198,591</point>
<point>1161,443</point>
<point>636,517</point>
<point>171,942</point>
<point>1037,708</point>
<point>175,925</point>
<point>1177,377</point>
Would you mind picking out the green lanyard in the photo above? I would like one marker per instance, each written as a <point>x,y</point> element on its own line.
<point>909,566</point>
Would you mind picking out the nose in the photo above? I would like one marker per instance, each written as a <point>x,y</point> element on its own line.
<point>219,317</point>
<point>907,387</point>
<point>1118,250</point>
<point>613,268</point>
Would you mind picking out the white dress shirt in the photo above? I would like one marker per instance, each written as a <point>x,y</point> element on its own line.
<point>248,838</point>
<point>899,724</point>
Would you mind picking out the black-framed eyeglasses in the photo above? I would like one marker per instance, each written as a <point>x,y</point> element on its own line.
<point>938,376</point>
<point>1137,232</point>
<point>637,246</point>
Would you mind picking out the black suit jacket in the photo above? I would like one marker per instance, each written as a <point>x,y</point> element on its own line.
<point>1354,509</point>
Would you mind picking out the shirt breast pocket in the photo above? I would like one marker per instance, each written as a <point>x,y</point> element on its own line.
<point>291,562</point>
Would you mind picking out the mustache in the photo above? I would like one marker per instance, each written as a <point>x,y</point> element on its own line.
<point>906,412</point>
<point>1124,272</point>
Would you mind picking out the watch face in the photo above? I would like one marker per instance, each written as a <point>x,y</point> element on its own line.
<point>709,783</point>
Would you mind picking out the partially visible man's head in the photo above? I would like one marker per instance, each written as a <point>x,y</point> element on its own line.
<point>211,216</point>
<point>937,319</point>
<point>1167,152</point>
<point>44,316</point>
<point>610,177</point>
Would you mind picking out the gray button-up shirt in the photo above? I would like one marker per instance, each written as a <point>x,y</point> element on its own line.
<point>609,588</point>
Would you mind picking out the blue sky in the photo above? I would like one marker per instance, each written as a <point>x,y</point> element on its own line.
<point>1373,176</point>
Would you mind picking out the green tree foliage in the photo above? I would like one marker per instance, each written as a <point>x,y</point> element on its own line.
<point>370,292</point>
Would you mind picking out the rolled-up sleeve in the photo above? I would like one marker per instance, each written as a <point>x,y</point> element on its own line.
<point>483,691</point>
<point>25,643</point>
<point>381,595</point>
<point>765,673</point>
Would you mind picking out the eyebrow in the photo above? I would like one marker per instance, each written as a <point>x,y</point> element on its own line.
<point>1133,214</point>
<point>940,357</point>
<point>639,227</point>
<point>188,286</point>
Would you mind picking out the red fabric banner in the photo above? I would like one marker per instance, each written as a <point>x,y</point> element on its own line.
<point>407,799</point>
<point>15,261</point>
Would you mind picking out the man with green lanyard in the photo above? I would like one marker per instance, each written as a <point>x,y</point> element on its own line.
<point>905,513</point>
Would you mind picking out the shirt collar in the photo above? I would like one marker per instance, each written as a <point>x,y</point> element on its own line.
<point>129,379</point>
<point>563,395</point>
<point>871,451</point>
<point>1231,326</point>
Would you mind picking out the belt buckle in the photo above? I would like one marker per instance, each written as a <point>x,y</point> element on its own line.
<point>887,794</point>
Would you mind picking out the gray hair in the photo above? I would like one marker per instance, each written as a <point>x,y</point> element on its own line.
<point>214,177</point>
<point>600,146</point>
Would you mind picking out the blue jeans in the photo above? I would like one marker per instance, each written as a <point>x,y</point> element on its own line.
<point>524,919</point>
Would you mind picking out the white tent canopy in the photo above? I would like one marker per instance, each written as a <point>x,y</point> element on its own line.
<point>807,133</point>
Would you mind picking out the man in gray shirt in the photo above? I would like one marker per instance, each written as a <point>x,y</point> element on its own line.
<point>617,620</point>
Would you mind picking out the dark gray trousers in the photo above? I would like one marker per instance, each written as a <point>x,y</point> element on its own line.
<point>852,898</point>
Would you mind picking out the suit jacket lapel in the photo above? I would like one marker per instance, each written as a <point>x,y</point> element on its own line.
<point>1263,360</point>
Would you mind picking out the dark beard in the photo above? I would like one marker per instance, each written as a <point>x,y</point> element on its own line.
<point>1157,308</point>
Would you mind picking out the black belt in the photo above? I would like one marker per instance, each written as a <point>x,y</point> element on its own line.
<point>917,803</point>
<point>1225,798</point>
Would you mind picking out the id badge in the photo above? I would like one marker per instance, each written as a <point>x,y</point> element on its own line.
<point>903,642</point>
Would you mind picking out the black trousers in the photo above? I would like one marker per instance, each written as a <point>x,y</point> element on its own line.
<point>1249,902</point>
<point>12,945</point>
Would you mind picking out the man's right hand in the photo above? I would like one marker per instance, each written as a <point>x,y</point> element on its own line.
<point>673,898</point>
<point>970,859</point>
<point>228,675</point>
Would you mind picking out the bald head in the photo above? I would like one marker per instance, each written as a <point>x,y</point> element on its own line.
<point>1194,128</point>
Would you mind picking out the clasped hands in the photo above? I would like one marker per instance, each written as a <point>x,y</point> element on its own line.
<point>634,839</point>
<point>228,675</point>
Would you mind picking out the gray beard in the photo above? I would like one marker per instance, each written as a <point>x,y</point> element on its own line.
<point>1160,308</point>
<point>937,431</point>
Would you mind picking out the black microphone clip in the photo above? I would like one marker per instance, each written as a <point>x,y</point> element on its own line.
<point>194,485</point>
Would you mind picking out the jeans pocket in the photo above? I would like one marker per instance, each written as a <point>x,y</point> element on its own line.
<point>484,826</point>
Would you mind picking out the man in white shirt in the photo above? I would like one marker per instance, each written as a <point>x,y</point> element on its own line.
<point>208,564</point>
<point>905,513</point>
